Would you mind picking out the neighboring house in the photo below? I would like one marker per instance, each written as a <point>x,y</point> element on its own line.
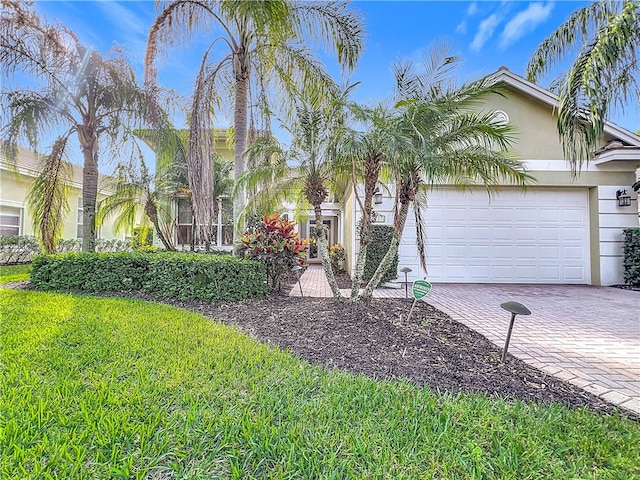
<point>15,183</point>
<point>560,230</point>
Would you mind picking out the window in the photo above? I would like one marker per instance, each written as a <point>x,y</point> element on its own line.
<point>226,208</point>
<point>10,221</point>
<point>184,221</point>
<point>79,223</point>
<point>222,231</point>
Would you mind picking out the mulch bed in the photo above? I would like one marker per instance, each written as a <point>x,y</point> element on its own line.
<point>378,341</point>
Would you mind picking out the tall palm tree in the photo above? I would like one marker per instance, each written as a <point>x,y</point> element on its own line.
<point>306,172</point>
<point>604,75</point>
<point>265,53</point>
<point>365,155</point>
<point>79,93</point>
<point>453,142</point>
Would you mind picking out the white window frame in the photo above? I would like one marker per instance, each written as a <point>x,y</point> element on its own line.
<point>20,215</point>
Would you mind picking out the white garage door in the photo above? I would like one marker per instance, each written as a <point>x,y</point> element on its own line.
<point>540,236</point>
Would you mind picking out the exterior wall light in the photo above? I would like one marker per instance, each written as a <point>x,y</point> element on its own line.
<point>624,199</point>
<point>377,197</point>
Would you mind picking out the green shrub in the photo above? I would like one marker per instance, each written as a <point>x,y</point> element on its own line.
<point>632,256</point>
<point>185,276</point>
<point>378,247</point>
<point>338,256</point>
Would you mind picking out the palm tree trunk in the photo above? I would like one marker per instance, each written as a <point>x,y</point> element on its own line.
<point>240,125</point>
<point>152,212</point>
<point>372,169</point>
<point>323,250</point>
<point>385,263</point>
<point>89,144</point>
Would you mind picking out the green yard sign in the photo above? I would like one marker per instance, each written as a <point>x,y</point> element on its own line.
<point>420,289</point>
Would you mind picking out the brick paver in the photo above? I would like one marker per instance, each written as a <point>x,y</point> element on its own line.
<point>586,335</point>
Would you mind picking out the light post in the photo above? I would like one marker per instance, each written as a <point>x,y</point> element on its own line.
<point>406,270</point>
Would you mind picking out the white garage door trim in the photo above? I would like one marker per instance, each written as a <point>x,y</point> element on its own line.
<point>540,236</point>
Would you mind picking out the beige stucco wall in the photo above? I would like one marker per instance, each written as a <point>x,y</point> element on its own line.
<point>14,188</point>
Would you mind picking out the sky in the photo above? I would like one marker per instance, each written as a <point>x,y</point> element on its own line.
<point>485,34</point>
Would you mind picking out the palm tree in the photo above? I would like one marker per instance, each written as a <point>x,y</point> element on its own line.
<point>48,200</point>
<point>364,156</point>
<point>453,142</point>
<point>306,172</point>
<point>265,52</point>
<point>136,190</point>
<point>79,93</point>
<point>604,74</point>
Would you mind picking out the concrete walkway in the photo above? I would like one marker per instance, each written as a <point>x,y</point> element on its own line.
<point>589,336</point>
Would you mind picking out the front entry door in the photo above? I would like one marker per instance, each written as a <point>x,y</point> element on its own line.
<point>329,223</point>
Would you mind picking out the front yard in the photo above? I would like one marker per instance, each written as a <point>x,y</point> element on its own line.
<point>115,388</point>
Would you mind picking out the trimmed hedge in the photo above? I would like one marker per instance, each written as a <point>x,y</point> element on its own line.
<point>378,247</point>
<point>632,256</point>
<point>185,276</point>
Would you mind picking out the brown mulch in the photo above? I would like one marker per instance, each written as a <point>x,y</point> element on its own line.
<point>377,340</point>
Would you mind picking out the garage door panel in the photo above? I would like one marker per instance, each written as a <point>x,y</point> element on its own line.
<point>549,252</point>
<point>479,234</point>
<point>549,273</point>
<point>455,233</point>
<point>572,253</point>
<point>502,233</point>
<point>479,252</point>
<point>549,215</point>
<point>541,236</point>
<point>573,215</point>
<point>526,233</point>
<point>500,215</point>
<point>549,234</point>
<point>573,273</point>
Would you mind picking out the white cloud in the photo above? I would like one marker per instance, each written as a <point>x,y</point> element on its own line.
<point>462,27</point>
<point>485,31</point>
<point>525,22</point>
<point>129,27</point>
<point>473,9</point>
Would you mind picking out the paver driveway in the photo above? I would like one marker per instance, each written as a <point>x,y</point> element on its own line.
<point>589,336</point>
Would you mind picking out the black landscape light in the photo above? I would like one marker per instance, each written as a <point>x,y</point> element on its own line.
<point>406,270</point>
<point>624,199</point>
<point>516,309</point>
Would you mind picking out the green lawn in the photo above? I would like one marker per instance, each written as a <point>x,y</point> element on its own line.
<point>14,273</point>
<point>111,388</point>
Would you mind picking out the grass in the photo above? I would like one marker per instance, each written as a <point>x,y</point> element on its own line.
<point>14,273</point>
<point>115,388</point>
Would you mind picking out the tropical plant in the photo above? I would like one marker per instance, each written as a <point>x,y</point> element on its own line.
<point>137,191</point>
<point>77,92</point>
<point>171,146</point>
<point>275,244</point>
<point>366,155</point>
<point>338,256</point>
<point>604,75</point>
<point>454,142</point>
<point>266,54</point>
<point>48,199</point>
<point>307,171</point>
